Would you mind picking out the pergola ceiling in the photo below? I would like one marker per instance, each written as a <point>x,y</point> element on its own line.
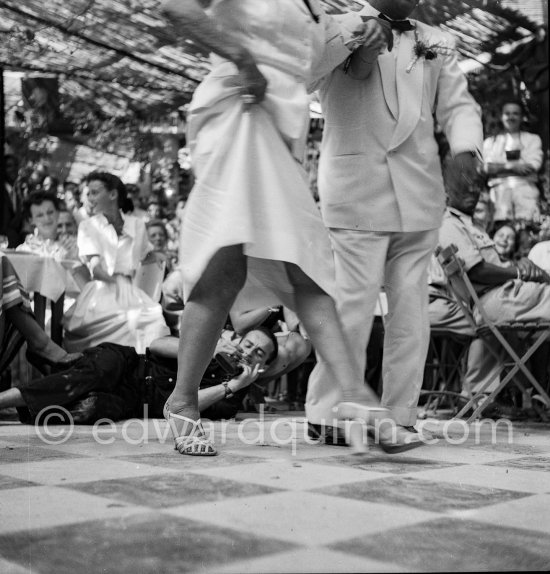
<point>117,52</point>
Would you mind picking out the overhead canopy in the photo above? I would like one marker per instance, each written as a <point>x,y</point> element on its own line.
<point>117,53</point>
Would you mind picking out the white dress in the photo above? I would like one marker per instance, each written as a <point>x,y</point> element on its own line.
<point>116,312</point>
<point>251,188</point>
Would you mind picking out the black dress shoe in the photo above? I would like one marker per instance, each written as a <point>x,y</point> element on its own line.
<point>396,440</point>
<point>326,434</point>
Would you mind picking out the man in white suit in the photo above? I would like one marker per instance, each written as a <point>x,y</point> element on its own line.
<point>382,194</point>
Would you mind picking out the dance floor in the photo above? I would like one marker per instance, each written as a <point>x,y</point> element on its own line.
<point>118,499</point>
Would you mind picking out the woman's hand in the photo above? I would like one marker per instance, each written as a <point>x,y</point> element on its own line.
<point>253,83</point>
<point>68,242</point>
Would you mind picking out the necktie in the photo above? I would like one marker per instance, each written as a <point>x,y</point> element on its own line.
<point>399,25</point>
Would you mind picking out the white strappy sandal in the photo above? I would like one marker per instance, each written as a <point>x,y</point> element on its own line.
<point>195,443</point>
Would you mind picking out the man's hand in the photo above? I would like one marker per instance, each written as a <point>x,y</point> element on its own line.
<point>378,34</point>
<point>467,165</point>
<point>247,377</point>
<point>531,272</point>
<point>522,169</point>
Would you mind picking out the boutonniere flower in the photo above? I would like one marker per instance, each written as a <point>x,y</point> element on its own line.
<point>429,51</point>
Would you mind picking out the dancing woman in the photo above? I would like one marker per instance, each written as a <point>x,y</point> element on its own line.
<point>250,215</point>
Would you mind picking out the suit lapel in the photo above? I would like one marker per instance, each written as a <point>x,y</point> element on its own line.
<point>409,89</point>
<point>386,65</point>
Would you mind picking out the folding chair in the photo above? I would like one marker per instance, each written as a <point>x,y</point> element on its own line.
<point>533,334</point>
<point>444,372</point>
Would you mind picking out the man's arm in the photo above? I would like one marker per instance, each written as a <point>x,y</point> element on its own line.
<point>211,395</point>
<point>343,35</point>
<point>485,273</point>
<point>460,116</point>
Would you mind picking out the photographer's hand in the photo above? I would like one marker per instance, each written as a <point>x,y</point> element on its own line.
<point>226,346</point>
<point>248,376</point>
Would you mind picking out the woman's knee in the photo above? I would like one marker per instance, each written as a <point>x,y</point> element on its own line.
<point>224,276</point>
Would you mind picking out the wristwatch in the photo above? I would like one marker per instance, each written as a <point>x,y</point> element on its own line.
<point>228,392</point>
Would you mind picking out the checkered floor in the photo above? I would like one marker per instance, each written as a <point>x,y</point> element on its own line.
<point>120,499</point>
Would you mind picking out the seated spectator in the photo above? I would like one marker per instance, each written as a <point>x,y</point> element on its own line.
<point>154,210</point>
<point>17,325</point>
<point>42,210</point>
<point>111,308</point>
<point>540,252</point>
<point>71,197</point>
<point>512,160</point>
<point>134,194</point>
<point>508,292</point>
<point>158,237</point>
<point>66,224</point>
<point>506,242</point>
<point>85,210</point>
<point>528,236</point>
<point>113,381</point>
<point>50,184</point>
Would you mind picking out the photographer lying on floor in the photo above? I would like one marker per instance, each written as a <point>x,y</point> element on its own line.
<point>113,381</point>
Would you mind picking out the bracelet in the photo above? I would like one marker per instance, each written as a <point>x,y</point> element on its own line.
<point>228,392</point>
<point>519,273</point>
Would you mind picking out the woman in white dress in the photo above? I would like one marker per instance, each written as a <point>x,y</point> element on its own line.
<point>111,308</point>
<point>251,217</point>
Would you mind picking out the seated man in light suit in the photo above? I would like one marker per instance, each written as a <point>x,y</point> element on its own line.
<point>382,196</point>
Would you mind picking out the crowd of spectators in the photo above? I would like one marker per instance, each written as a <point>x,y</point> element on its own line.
<point>51,218</point>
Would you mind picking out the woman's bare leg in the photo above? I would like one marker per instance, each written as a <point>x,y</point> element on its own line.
<point>203,318</point>
<point>11,398</point>
<point>317,311</point>
<point>37,339</point>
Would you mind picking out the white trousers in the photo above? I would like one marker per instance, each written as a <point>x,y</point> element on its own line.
<point>365,263</point>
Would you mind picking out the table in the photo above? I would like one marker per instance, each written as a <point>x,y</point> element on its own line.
<point>48,279</point>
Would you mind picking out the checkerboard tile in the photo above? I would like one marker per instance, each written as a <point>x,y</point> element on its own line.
<point>449,545</point>
<point>530,513</point>
<point>7,567</point>
<point>504,477</point>
<point>304,517</point>
<point>75,470</point>
<point>268,505</point>
<point>292,475</point>
<point>313,560</point>
<point>46,506</point>
<point>142,543</point>
<point>171,489</point>
<point>423,494</point>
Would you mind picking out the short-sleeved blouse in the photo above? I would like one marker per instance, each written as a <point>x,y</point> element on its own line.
<point>96,236</point>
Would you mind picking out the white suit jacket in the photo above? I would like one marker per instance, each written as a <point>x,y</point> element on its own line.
<point>379,166</point>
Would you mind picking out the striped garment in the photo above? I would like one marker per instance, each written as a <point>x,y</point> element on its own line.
<point>11,294</point>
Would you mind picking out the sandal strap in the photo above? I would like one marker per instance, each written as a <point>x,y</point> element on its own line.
<point>194,442</point>
<point>194,445</point>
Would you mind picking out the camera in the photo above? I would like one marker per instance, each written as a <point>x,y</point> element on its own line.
<point>513,154</point>
<point>229,363</point>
